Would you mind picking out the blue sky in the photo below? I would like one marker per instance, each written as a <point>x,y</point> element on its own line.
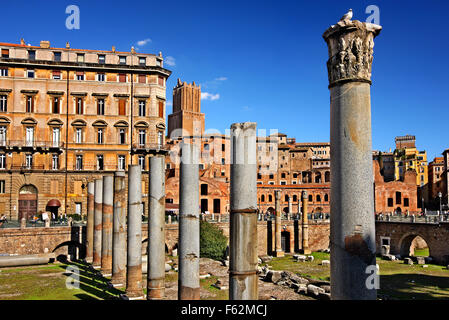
<point>265,61</point>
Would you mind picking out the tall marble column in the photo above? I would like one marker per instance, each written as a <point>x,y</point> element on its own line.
<point>353,246</point>
<point>243,224</point>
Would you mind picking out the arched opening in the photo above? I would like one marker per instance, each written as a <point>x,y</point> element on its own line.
<point>398,210</point>
<point>75,250</point>
<point>318,177</point>
<point>27,201</point>
<point>285,210</point>
<point>270,210</point>
<point>262,198</point>
<point>413,245</point>
<point>327,176</point>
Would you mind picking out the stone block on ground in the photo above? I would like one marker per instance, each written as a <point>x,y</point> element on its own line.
<point>265,259</point>
<point>310,258</point>
<point>273,276</point>
<point>420,260</point>
<point>299,257</point>
<point>302,289</point>
<point>325,263</point>
<point>314,291</point>
<point>167,267</point>
<point>324,296</point>
<point>408,261</point>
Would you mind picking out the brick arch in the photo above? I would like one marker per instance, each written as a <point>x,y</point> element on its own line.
<point>406,241</point>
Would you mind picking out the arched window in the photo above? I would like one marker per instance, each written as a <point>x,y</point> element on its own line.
<point>270,198</point>
<point>262,198</point>
<point>326,197</point>
<point>318,198</point>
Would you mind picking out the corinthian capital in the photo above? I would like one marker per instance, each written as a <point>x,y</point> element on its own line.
<point>350,45</point>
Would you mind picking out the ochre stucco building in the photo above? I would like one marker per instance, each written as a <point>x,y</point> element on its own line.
<point>68,116</point>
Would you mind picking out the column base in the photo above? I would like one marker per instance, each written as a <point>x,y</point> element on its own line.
<point>279,254</point>
<point>305,251</point>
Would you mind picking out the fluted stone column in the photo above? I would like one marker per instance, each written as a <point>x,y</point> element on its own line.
<point>189,224</point>
<point>353,247</point>
<point>106,234</point>
<point>156,229</point>
<point>305,223</point>
<point>98,217</point>
<point>243,223</point>
<point>90,220</point>
<point>119,231</point>
<point>277,225</point>
<point>134,256</point>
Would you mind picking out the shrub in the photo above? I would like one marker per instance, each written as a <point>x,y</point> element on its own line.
<point>212,241</point>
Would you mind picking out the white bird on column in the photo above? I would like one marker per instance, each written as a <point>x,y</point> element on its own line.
<point>347,16</point>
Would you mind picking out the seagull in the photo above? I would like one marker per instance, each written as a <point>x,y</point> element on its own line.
<point>347,16</point>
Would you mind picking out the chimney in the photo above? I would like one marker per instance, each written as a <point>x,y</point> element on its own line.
<point>45,44</point>
<point>22,41</point>
<point>67,45</point>
<point>113,48</point>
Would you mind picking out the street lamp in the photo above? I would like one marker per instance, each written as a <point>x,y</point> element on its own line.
<point>440,195</point>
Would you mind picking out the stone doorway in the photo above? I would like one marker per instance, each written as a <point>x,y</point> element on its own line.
<point>27,202</point>
<point>285,241</point>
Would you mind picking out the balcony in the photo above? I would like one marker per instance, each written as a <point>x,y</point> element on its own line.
<point>25,167</point>
<point>148,148</point>
<point>24,145</point>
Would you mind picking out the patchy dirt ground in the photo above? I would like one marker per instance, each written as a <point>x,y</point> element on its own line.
<point>217,271</point>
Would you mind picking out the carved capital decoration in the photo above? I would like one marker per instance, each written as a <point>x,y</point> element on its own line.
<point>350,45</point>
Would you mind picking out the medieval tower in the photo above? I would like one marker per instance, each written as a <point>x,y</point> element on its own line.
<point>186,119</point>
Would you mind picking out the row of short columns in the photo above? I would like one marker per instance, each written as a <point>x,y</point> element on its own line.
<point>114,238</point>
<point>107,246</point>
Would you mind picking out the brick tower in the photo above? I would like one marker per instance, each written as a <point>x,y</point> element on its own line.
<point>186,111</point>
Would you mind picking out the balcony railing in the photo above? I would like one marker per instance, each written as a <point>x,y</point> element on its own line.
<point>148,146</point>
<point>28,167</point>
<point>30,144</point>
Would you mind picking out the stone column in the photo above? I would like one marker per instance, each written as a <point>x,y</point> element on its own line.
<point>290,207</point>
<point>98,198</point>
<point>119,231</point>
<point>277,225</point>
<point>305,223</point>
<point>156,229</point>
<point>90,220</point>
<point>352,237</point>
<point>189,224</point>
<point>134,257</point>
<point>106,234</point>
<point>243,221</point>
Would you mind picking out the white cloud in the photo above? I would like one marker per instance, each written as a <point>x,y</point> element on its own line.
<point>170,61</point>
<point>143,42</point>
<point>169,103</point>
<point>209,96</point>
<point>221,79</point>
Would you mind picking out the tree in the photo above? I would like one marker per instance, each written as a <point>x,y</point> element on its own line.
<point>212,241</point>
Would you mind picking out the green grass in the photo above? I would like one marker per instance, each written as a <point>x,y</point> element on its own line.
<point>311,270</point>
<point>397,280</point>
<point>421,252</point>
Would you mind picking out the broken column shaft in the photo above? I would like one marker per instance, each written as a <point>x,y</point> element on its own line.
<point>189,224</point>
<point>119,231</point>
<point>243,211</point>
<point>134,256</point>
<point>98,196</point>
<point>305,223</point>
<point>156,229</point>
<point>352,237</point>
<point>90,220</point>
<point>106,235</point>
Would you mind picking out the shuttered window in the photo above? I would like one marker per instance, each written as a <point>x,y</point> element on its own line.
<point>161,109</point>
<point>160,81</point>
<point>121,107</point>
<point>122,77</point>
<point>142,78</point>
<point>5,53</point>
